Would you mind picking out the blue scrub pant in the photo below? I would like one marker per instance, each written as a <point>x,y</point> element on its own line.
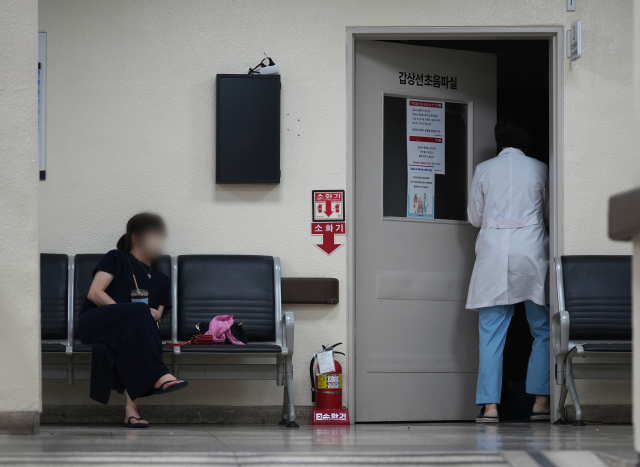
<point>493,323</point>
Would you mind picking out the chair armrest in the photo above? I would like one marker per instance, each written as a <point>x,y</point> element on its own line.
<point>287,332</point>
<point>560,333</point>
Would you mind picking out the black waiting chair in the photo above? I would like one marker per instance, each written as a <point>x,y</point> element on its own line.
<point>594,318</point>
<point>54,300</point>
<point>82,266</point>
<point>163,264</point>
<point>247,287</point>
<point>54,295</point>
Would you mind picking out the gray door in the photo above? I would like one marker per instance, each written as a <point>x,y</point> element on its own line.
<point>416,345</point>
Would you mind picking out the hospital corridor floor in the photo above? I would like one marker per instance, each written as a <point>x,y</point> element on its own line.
<point>442,444</point>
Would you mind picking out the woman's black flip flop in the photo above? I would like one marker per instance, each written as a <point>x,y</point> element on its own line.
<point>172,388</point>
<point>135,425</point>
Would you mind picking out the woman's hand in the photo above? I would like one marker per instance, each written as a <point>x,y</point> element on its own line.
<point>154,313</point>
<point>157,314</point>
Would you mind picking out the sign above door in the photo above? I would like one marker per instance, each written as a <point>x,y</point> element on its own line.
<point>426,79</point>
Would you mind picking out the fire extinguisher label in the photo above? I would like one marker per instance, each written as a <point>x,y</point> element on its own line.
<point>329,381</point>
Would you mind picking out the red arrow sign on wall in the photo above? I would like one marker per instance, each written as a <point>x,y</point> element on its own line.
<point>328,244</point>
<point>327,210</point>
<point>328,230</point>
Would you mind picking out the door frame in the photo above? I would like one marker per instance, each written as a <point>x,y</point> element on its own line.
<point>556,37</point>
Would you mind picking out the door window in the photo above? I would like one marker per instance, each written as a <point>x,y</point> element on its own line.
<point>421,179</point>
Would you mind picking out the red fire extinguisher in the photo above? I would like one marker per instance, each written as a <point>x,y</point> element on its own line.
<point>326,392</point>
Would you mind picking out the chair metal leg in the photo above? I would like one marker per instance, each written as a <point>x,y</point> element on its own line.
<point>572,388</point>
<point>289,382</point>
<point>70,369</point>
<point>175,366</point>
<point>280,370</point>
<point>285,409</point>
<point>561,411</point>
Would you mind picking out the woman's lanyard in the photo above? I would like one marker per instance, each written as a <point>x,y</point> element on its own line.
<point>132,272</point>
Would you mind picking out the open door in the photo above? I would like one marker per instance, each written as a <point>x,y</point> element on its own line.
<point>424,118</point>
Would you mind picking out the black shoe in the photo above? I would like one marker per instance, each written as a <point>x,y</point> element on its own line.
<point>482,418</point>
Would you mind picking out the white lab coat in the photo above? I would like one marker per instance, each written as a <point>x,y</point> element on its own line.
<point>508,199</point>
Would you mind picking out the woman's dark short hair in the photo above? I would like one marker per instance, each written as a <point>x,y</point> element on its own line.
<point>140,224</point>
<point>512,131</point>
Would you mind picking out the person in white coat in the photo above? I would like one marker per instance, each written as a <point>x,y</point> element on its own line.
<point>508,200</point>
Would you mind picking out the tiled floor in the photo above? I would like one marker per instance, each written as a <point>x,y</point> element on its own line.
<point>448,444</point>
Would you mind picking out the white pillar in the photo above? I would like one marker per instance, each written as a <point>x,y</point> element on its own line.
<point>20,368</point>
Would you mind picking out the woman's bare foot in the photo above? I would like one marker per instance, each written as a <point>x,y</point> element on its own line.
<point>488,407</point>
<point>543,403</point>
<point>132,416</point>
<point>164,379</point>
<point>131,410</point>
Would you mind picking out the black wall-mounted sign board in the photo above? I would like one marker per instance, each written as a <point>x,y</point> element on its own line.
<point>248,128</point>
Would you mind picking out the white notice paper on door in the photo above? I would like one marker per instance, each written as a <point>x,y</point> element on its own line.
<point>420,192</point>
<point>426,151</point>
<point>425,118</point>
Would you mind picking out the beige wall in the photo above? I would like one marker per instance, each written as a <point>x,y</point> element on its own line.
<point>20,264</point>
<point>131,126</point>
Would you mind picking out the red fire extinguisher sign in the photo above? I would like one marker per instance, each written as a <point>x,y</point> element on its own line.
<point>327,216</point>
<point>328,205</point>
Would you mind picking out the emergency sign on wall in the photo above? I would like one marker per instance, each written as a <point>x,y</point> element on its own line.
<point>328,205</point>
<point>327,218</point>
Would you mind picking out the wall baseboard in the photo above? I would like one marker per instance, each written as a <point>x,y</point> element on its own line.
<point>610,413</point>
<point>19,423</point>
<point>174,414</point>
<point>251,415</point>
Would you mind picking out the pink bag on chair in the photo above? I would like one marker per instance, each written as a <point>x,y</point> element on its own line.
<point>220,330</point>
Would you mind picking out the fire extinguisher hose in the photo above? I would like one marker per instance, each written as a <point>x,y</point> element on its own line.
<point>313,380</point>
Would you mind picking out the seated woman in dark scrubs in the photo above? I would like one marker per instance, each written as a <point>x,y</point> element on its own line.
<point>127,352</point>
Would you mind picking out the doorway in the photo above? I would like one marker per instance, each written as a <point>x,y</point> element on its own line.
<point>413,347</point>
